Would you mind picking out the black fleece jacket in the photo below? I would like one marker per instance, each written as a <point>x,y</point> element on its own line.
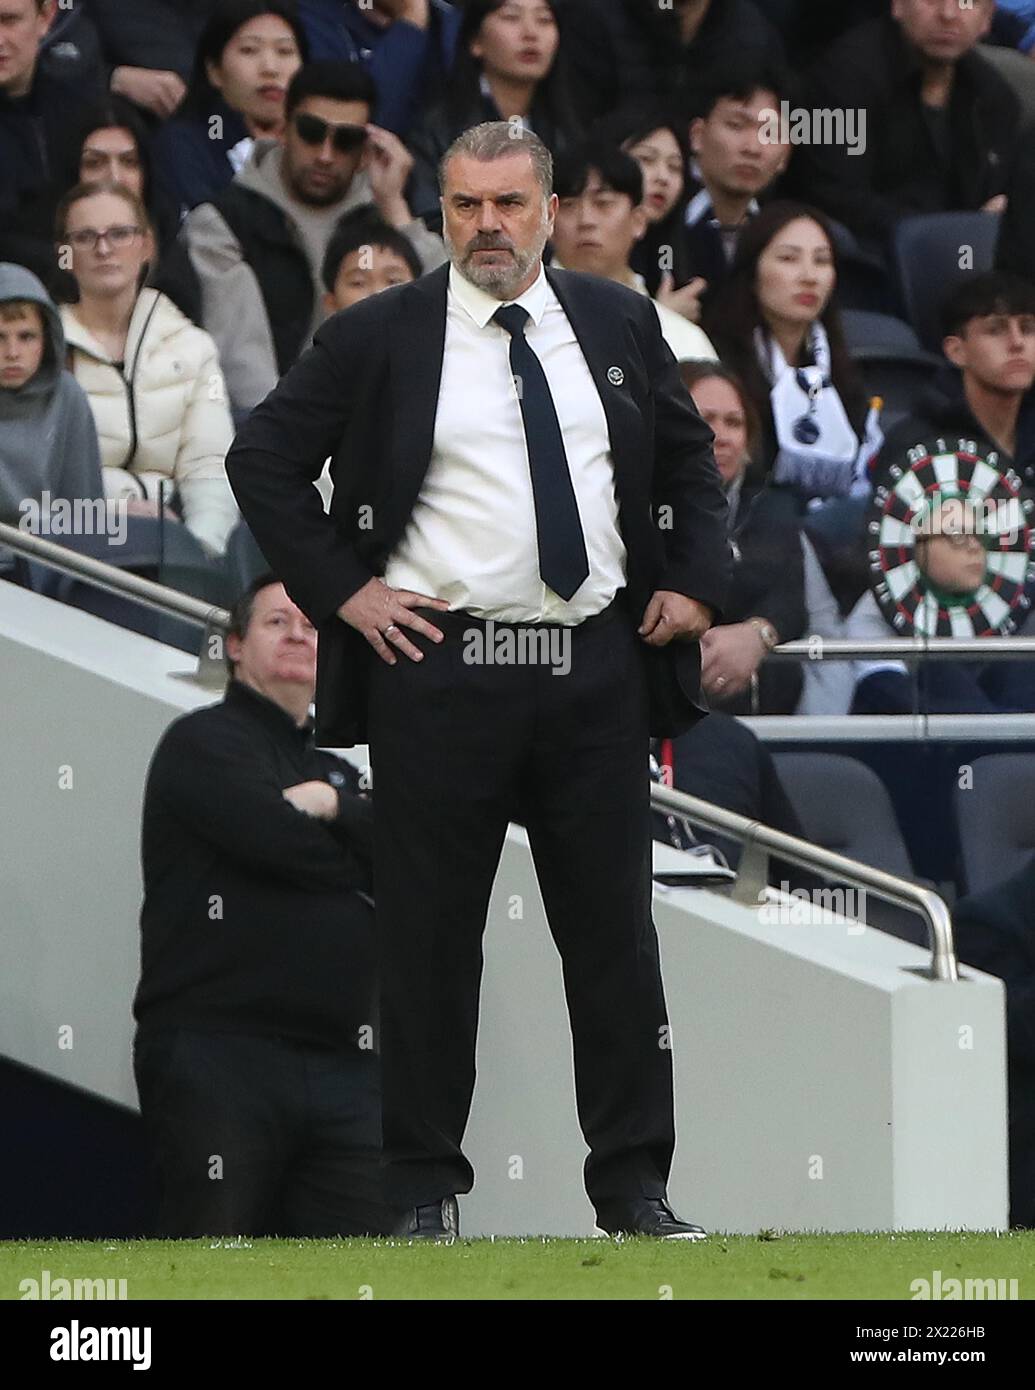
<point>252,919</point>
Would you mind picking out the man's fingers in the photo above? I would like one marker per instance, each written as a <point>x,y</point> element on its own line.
<point>399,640</point>
<point>380,646</point>
<point>411,600</point>
<point>662,632</point>
<point>422,626</point>
<point>650,617</point>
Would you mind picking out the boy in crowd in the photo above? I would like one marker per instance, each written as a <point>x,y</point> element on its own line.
<point>365,255</point>
<point>989,339</point>
<point>48,441</point>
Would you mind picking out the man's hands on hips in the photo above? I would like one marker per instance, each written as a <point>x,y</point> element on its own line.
<point>672,617</point>
<point>380,614</point>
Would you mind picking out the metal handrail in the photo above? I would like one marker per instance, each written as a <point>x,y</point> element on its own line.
<point>172,602</point>
<point>115,580</point>
<point>760,841</point>
<point>905,649</point>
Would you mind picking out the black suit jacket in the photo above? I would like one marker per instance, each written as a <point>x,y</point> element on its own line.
<point>366,393</point>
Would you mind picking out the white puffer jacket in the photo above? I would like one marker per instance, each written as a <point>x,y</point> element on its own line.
<point>164,418</point>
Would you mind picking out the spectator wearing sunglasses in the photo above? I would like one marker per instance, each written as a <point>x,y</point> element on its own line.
<point>248,53</point>
<point>258,249</point>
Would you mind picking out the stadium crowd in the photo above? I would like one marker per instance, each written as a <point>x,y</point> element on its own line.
<point>190,188</point>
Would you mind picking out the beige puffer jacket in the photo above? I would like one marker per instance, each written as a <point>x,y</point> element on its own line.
<point>164,417</point>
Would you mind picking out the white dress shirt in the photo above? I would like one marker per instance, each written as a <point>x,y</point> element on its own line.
<point>472,536</point>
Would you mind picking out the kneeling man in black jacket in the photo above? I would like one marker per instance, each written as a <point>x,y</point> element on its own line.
<point>256,1054</point>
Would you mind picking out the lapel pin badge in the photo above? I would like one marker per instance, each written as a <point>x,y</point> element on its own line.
<point>615,376</point>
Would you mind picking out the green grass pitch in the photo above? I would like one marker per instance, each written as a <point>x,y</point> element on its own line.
<point>770,1265</point>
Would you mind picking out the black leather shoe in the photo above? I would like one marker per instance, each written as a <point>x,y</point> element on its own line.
<point>439,1221</point>
<point>645,1216</point>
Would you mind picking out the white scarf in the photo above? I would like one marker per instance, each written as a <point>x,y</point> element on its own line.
<point>818,452</point>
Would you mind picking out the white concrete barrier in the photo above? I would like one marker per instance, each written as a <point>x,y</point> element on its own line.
<point>823,1082</point>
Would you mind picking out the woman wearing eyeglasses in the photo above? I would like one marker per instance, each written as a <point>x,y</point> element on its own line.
<point>775,322</point>
<point>152,378</point>
<point>508,66</point>
<point>247,55</point>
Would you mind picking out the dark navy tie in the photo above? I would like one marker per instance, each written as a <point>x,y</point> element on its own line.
<point>563,564</point>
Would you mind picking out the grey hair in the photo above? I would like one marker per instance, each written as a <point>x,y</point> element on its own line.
<point>496,140</point>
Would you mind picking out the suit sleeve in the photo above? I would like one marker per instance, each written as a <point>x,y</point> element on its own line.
<point>278,454</point>
<point>689,503</point>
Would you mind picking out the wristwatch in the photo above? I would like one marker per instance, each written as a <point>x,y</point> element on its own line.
<point>766,633</point>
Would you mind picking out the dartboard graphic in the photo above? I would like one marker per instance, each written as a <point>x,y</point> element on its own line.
<point>914,491</point>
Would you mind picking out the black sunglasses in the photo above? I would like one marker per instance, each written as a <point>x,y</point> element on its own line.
<point>313,131</point>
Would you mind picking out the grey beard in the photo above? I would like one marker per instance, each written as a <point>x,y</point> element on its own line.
<point>498,281</point>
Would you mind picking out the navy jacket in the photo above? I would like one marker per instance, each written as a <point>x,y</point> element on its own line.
<point>408,65</point>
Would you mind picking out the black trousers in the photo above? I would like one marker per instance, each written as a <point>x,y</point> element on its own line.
<point>460,746</point>
<point>261,1135</point>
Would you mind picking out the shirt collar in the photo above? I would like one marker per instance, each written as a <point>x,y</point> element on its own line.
<point>237,693</point>
<point>699,207</point>
<point>481,305</point>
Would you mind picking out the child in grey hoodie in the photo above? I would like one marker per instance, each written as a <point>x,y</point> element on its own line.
<point>48,440</point>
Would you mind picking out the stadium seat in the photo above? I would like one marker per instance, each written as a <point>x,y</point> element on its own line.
<point>927,255</point>
<point>996,819</point>
<point>866,332</point>
<point>899,376</point>
<point>845,807</point>
<point>1016,69</point>
<point>244,561</point>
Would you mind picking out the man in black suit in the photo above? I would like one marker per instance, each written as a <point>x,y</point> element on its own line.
<point>518,470</point>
